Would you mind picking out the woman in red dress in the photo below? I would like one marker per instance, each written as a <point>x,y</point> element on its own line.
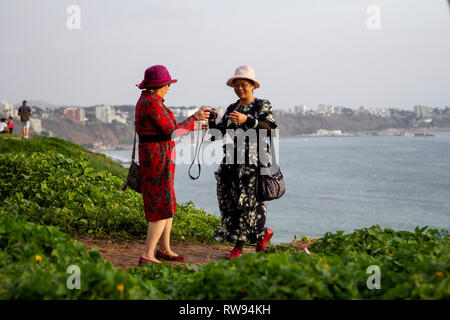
<point>156,126</point>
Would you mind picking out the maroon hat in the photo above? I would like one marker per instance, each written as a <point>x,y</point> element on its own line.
<point>156,76</point>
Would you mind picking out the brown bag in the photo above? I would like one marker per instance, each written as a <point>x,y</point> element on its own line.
<point>133,180</point>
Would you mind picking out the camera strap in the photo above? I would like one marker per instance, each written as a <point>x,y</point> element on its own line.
<point>197,149</point>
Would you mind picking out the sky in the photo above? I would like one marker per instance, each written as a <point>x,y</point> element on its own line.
<point>390,53</point>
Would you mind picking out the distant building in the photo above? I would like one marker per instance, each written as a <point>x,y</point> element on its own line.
<point>121,117</point>
<point>300,109</point>
<point>107,114</point>
<point>373,111</point>
<point>323,132</point>
<point>103,113</point>
<point>361,110</point>
<point>77,114</point>
<point>422,111</point>
<point>385,112</point>
<point>183,112</point>
<point>36,125</point>
<point>322,108</point>
<point>330,109</point>
<point>7,109</point>
<point>438,110</point>
<point>338,110</point>
<point>326,109</point>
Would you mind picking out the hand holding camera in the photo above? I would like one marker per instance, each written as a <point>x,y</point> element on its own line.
<point>237,117</point>
<point>202,114</point>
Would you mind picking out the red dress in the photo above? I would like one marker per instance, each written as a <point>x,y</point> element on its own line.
<point>157,159</point>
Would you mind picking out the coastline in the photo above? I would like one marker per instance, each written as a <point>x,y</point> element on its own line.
<point>365,133</point>
<point>368,133</point>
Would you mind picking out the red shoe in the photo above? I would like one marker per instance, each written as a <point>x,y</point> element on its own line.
<point>235,253</point>
<point>143,261</point>
<point>161,255</point>
<point>262,244</point>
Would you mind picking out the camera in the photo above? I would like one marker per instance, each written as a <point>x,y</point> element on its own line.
<point>212,115</point>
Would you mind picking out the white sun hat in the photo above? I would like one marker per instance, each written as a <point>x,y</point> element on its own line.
<point>244,72</point>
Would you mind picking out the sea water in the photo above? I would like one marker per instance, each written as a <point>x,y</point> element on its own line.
<point>343,183</point>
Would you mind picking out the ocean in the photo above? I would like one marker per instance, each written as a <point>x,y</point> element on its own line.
<point>343,183</point>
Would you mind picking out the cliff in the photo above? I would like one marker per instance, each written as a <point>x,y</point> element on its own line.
<point>291,125</point>
<point>89,134</point>
<point>115,134</point>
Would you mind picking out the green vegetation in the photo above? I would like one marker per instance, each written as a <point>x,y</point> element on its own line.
<point>413,265</point>
<point>63,188</point>
<point>34,261</point>
<point>13,144</point>
<point>81,196</point>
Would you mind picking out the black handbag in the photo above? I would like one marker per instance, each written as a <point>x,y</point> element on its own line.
<point>133,180</point>
<point>270,187</point>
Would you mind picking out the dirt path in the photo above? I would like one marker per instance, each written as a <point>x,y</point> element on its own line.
<point>126,254</point>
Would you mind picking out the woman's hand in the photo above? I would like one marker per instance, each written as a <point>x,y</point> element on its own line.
<point>237,117</point>
<point>202,114</point>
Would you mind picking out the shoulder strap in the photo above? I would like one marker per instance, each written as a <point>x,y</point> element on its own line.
<point>134,147</point>
<point>272,150</point>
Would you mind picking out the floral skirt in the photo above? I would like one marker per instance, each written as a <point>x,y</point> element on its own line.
<point>243,218</point>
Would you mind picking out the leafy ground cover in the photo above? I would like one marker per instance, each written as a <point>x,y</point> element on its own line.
<point>413,265</point>
<point>51,188</point>
<point>34,262</point>
<point>78,197</point>
<point>13,144</point>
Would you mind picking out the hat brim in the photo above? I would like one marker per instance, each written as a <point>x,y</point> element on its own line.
<point>155,84</point>
<point>230,81</point>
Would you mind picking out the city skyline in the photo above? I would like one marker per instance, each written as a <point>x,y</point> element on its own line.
<point>37,103</point>
<point>111,113</point>
<point>351,53</point>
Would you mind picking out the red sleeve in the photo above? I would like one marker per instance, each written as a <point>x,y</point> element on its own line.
<point>163,119</point>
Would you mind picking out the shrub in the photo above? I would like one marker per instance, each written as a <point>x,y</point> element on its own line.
<point>413,265</point>
<point>52,189</point>
<point>35,260</point>
<point>98,161</point>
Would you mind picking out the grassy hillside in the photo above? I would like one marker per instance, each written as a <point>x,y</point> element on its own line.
<point>13,144</point>
<point>54,182</point>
